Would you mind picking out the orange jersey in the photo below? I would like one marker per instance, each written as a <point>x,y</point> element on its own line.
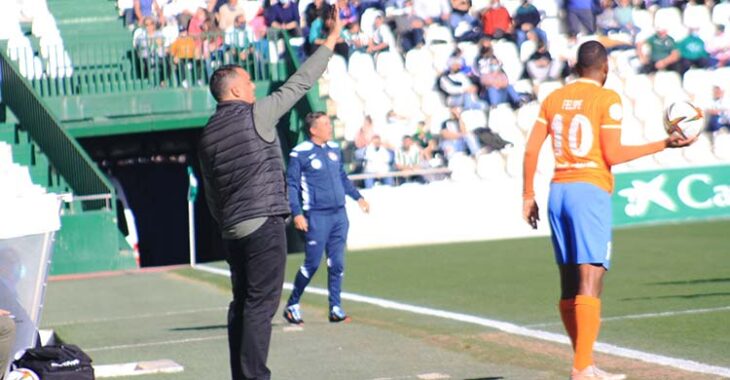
<point>575,115</point>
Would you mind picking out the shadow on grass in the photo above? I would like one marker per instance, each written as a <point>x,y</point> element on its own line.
<point>693,282</point>
<point>679,296</point>
<point>200,328</point>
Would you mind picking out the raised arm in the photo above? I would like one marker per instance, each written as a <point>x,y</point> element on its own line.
<point>268,110</point>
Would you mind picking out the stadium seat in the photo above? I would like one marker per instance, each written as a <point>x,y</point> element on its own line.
<point>509,55</point>
<point>431,101</point>
<point>643,20</point>
<point>721,146</point>
<point>667,83</point>
<point>637,86</point>
<point>552,26</point>
<point>654,124</point>
<point>59,64</point>
<point>491,166</point>
<point>527,49</point>
<point>721,13</point>
<point>632,132</point>
<point>398,85</point>
<point>697,81</point>
<point>30,9</point>
<point>667,17</point>
<point>501,118</point>
<point>477,6</point>
<point>419,60</point>
<point>368,88</point>
<point>469,51</point>
<point>546,159</point>
<point>378,107</point>
<point>700,153</point>
<point>361,66</point>
<point>474,119</point>
<point>408,105</point>
<point>437,119</point>
<point>437,34</point>
<point>424,82</point>
<point>389,64</point>
<point>336,68</point>
<point>546,88</point>
<point>441,54</point>
<point>670,158</point>
<point>513,161</point>
<point>647,106</point>
<point>19,49</point>
<point>463,168</point>
<point>367,20</point>
<point>342,89</point>
<point>527,115</point>
<point>697,16</point>
<point>720,77</point>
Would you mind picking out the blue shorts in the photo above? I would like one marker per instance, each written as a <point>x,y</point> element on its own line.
<point>580,221</point>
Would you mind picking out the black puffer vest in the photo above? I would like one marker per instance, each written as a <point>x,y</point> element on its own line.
<point>246,172</point>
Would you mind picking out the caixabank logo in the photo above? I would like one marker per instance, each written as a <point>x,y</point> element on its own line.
<point>692,193</point>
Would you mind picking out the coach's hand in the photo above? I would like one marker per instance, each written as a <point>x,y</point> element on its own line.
<point>336,30</point>
<point>530,212</point>
<point>364,205</point>
<point>300,223</point>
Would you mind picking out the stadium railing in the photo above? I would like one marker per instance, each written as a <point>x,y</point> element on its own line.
<point>66,155</point>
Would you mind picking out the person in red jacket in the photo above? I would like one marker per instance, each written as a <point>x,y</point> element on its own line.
<point>496,21</point>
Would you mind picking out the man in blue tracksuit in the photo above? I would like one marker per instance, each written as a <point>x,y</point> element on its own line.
<point>317,185</point>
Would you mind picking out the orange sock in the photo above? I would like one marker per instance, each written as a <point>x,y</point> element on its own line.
<point>588,322</point>
<point>567,314</point>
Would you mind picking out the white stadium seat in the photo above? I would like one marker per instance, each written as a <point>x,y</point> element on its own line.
<point>490,166</point>
<point>721,13</point>
<point>697,81</point>
<point>527,115</point>
<point>389,64</point>
<point>437,34</point>
<point>546,88</point>
<point>501,118</point>
<point>469,51</point>
<point>474,119</point>
<point>636,86</point>
<point>514,161</point>
<point>419,61</point>
<point>431,101</point>
<point>667,83</point>
<point>463,168</point>
<point>509,55</point>
<point>361,66</point>
<point>336,67</point>
<point>440,56</point>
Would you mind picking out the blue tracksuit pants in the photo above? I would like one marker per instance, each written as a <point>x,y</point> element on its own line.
<point>327,232</point>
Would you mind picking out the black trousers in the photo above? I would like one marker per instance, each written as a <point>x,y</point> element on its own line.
<point>257,274</point>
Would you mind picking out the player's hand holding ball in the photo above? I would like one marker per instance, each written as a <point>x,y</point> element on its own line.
<point>683,122</point>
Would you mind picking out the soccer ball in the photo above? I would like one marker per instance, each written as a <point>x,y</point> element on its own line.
<point>684,119</point>
<point>22,374</point>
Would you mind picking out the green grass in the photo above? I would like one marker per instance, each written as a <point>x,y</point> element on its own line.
<point>655,269</point>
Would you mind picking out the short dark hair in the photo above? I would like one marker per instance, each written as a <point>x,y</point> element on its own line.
<point>310,119</point>
<point>220,80</point>
<point>591,55</point>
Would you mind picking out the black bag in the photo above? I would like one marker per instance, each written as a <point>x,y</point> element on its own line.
<point>491,140</point>
<point>62,362</point>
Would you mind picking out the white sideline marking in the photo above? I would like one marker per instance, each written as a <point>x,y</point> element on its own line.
<point>646,315</point>
<point>137,368</point>
<point>683,364</point>
<point>150,344</point>
<point>138,316</point>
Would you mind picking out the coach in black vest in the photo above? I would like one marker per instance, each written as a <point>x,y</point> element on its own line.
<point>243,175</point>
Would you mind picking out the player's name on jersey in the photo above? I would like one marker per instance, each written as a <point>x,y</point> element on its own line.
<point>576,165</point>
<point>572,104</point>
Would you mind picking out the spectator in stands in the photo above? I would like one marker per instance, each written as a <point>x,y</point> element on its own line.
<point>408,158</point>
<point>212,46</point>
<point>315,9</point>
<point>422,136</point>
<point>378,160</point>
<point>719,47</point>
<point>624,15</point>
<point>356,39</point>
<point>663,53</point>
<point>693,53</point>
<point>580,13</point>
<point>408,26</point>
<point>185,55</point>
<point>432,11</point>
<point>195,27</point>
<point>462,24</point>
<point>228,13</point>
<point>318,34</point>
<point>496,21</point>
<point>718,115</point>
<point>126,12</point>
<point>284,15</point>
<point>145,8</point>
<point>382,38</point>
<point>149,44</point>
<point>606,21</point>
<point>365,134</point>
<point>541,66</point>
<point>7,339</point>
<point>458,87</point>
<point>237,41</point>
<point>527,18</point>
<point>348,12</point>
<point>455,138</point>
<point>496,88</point>
<point>214,6</point>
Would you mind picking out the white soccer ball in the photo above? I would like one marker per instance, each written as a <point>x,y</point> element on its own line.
<point>684,119</point>
<point>22,374</point>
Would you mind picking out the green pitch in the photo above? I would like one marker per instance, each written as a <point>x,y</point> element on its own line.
<point>680,270</point>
